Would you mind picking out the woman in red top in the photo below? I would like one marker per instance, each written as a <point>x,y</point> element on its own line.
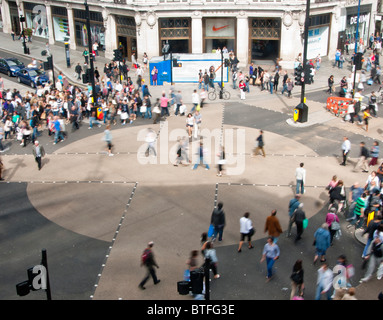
<point>242,89</point>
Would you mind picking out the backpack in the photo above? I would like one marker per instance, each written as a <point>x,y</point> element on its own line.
<point>377,250</point>
<point>145,256</point>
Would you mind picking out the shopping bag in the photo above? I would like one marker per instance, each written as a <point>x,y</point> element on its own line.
<point>211,231</point>
<point>370,217</point>
<point>305,223</point>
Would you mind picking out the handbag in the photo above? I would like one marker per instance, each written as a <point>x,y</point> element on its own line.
<point>335,226</point>
<point>296,277</point>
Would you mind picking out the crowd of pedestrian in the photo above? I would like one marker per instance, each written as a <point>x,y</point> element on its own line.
<point>52,107</point>
<point>360,207</point>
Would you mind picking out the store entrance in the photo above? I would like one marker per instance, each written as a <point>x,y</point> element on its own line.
<point>128,46</point>
<point>213,44</point>
<point>123,45</point>
<point>177,46</point>
<point>15,21</point>
<point>264,49</point>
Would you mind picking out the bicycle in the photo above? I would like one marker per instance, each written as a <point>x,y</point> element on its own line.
<point>212,95</point>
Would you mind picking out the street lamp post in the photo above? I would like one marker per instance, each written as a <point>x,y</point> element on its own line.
<point>302,109</point>
<point>356,49</point>
<point>91,64</point>
<point>306,35</point>
<point>221,85</point>
<point>22,20</point>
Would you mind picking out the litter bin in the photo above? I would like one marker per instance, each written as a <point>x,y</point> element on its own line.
<point>301,113</point>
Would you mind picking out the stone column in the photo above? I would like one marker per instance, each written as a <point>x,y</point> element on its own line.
<point>242,39</point>
<point>6,17</point>
<point>50,24</point>
<point>72,28</point>
<point>147,35</point>
<point>197,32</point>
<point>110,35</point>
<point>20,10</point>
<point>152,36</point>
<point>290,34</point>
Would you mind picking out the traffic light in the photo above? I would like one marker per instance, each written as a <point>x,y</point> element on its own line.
<point>48,65</point>
<point>299,75</point>
<point>50,62</point>
<point>86,76</point>
<point>358,61</point>
<point>31,277</point>
<point>176,64</point>
<point>117,55</point>
<point>36,281</point>
<point>196,280</point>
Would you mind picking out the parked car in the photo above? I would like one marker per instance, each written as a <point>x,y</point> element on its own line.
<point>32,76</point>
<point>10,66</point>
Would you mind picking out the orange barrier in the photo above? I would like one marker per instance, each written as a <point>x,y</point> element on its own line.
<point>338,106</point>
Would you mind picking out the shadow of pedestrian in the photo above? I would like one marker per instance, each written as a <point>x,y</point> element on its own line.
<point>19,163</point>
<point>44,161</point>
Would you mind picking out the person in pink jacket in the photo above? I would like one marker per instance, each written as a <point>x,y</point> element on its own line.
<point>330,218</point>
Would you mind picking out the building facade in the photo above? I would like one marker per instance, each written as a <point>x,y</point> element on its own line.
<point>254,29</point>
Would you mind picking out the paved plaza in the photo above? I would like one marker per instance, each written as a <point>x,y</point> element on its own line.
<point>95,214</point>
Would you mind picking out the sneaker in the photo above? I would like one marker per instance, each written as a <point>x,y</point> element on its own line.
<point>158,281</point>
<point>217,276</point>
<point>90,128</point>
<point>378,277</point>
<point>364,280</point>
<point>99,125</point>
<point>141,287</point>
<point>111,154</point>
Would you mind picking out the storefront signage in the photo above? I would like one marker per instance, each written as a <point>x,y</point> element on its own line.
<point>317,42</point>
<point>220,28</point>
<point>362,18</point>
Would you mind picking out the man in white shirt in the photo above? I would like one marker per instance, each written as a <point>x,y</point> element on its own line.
<point>195,100</point>
<point>346,147</point>
<point>95,48</point>
<point>139,71</point>
<point>300,176</point>
<point>9,95</point>
<point>118,86</point>
<point>59,86</point>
